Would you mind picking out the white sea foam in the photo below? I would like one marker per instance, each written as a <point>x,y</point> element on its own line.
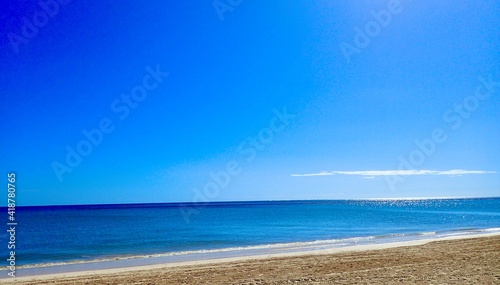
<point>492,230</point>
<point>428,234</point>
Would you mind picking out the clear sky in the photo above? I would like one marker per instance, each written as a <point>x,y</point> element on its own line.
<point>170,101</point>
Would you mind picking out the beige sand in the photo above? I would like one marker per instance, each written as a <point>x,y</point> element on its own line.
<point>452,261</point>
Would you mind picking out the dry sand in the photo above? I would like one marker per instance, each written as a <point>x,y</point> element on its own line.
<point>454,261</point>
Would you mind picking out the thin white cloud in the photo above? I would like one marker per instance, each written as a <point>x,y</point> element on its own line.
<point>462,172</point>
<point>374,173</point>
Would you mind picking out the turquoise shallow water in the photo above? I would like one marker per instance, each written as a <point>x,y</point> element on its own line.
<point>66,234</point>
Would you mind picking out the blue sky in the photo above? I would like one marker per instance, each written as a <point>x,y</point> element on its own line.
<point>249,100</point>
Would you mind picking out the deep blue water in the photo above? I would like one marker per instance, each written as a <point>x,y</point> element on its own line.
<point>69,233</point>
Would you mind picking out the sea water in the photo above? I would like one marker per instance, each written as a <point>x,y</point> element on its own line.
<point>49,235</point>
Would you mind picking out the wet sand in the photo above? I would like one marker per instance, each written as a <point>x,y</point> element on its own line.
<point>454,261</point>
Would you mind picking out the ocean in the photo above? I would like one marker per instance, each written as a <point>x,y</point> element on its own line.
<point>60,235</point>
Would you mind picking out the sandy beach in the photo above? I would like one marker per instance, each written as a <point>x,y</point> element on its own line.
<point>451,261</point>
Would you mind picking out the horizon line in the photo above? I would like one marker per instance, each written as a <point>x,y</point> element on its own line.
<point>270,200</point>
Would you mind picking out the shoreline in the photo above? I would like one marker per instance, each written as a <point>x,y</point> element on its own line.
<point>253,258</point>
<point>243,251</point>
